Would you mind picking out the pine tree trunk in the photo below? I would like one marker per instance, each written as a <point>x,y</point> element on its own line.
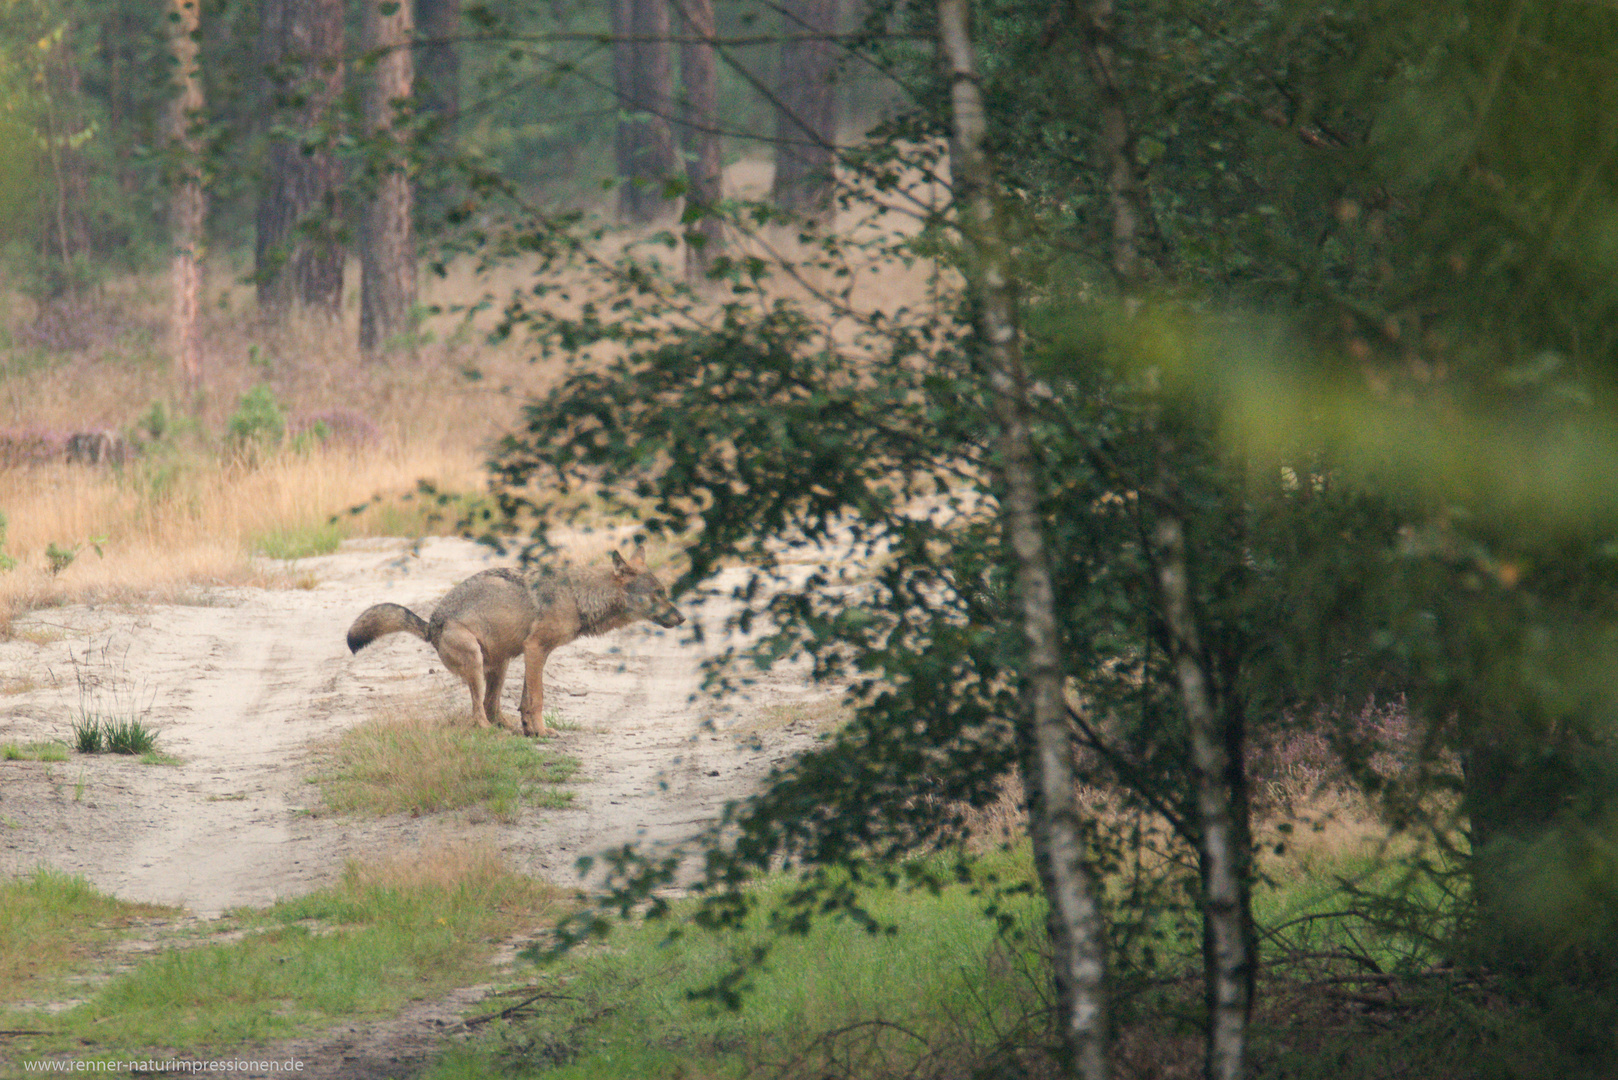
<point>643,79</point>
<point>699,73</point>
<point>298,257</point>
<point>388,239</point>
<point>1074,921</point>
<point>438,87</point>
<point>806,108</point>
<point>187,208</point>
<point>439,30</point>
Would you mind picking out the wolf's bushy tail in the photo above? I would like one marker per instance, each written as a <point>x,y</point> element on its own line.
<point>381,620</point>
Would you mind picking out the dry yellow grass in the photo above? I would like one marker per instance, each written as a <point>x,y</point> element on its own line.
<point>449,863</point>
<point>161,534</point>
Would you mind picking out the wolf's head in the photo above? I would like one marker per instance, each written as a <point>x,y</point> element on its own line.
<point>647,597</point>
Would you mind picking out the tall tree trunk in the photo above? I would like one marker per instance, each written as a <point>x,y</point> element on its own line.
<point>643,77</point>
<point>1078,940</point>
<point>1216,744</point>
<point>1217,734</point>
<point>1125,191</point>
<point>388,238</point>
<point>438,89</point>
<point>187,207</point>
<point>297,256</point>
<point>806,108</point>
<point>439,28</point>
<point>699,73</point>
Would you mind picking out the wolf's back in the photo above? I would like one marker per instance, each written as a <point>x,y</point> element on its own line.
<point>494,605</point>
<point>381,620</point>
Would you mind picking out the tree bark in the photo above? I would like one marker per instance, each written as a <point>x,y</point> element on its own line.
<point>298,257</point>
<point>643,77</point>
<point>806,109</point>
<point>1074,923</point>
<point>388,240</point>
<point>440,28</point>
<point>187,208</point>
<point>439,87</point>
<point>1222,825</point>
<point>1125,191</point>
<point>703,169</point>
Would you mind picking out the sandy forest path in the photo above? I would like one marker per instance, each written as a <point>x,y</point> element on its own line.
<point>244,685</point>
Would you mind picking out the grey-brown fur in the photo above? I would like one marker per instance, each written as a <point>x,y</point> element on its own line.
<point>489,619</point>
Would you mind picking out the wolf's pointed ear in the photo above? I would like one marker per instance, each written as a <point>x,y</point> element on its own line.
<point>638,559</point>
<point>620,568</point>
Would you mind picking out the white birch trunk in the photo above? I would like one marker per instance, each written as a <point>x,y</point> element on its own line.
<point>1227,948</point>
<point>1074,922</point>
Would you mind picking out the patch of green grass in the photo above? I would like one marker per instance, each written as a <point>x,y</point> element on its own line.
<point>388,933</point>
<point>943,988</point>
<point>946,995</point>
<point>48,922</point>
<point>414,764</point>
<point>34,751</point>
<point>300,542</point>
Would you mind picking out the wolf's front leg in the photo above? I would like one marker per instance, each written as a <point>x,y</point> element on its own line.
<point>533,689</point>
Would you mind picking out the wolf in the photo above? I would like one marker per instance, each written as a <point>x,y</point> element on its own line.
<point>488,620</point>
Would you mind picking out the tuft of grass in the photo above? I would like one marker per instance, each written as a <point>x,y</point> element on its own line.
<point>93,734</point>
<point>410,763</point>
<point>389,932</point>
<point>129,737</point>
<point>300,542</point>
<point>50,750</point>
<point>88,738</point>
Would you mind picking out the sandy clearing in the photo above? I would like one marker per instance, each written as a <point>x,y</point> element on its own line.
<point>243,686</point>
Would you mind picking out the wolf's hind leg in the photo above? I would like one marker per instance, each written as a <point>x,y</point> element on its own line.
<point>494,680</point>
<point>461,653</point>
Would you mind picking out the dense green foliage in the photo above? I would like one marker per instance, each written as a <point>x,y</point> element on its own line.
<point>1370,369</point>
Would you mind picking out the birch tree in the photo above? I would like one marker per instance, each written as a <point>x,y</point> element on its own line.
<point>1078,938</point>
